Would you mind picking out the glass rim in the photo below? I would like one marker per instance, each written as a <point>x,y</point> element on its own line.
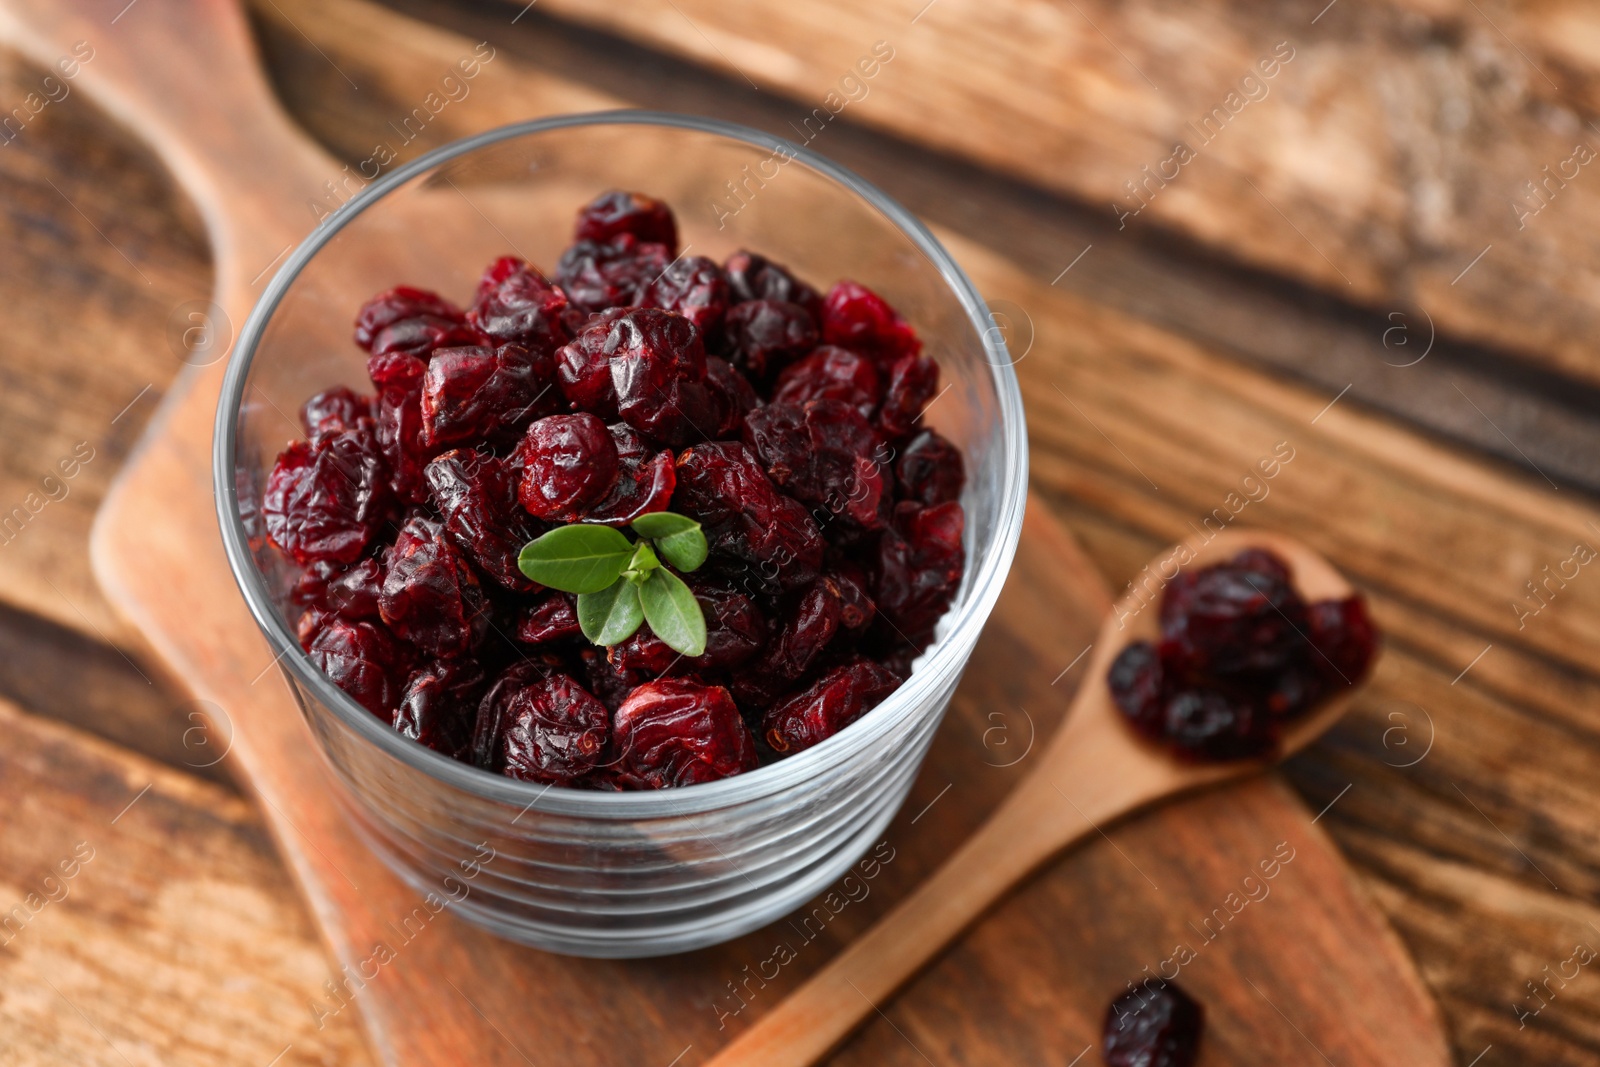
<point>947,658</point>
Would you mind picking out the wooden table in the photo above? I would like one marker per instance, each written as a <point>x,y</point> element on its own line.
<point>1343,265</point>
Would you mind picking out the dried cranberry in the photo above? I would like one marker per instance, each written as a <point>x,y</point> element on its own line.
<point>422,336</point>
<point>393,310</point>
<point>831,373</point>
<point>399,423</point>
<point>439,706</point>
<point>1225,620</point>
<point>1343,639</point>
<point>326,503</point>
<point>515,302</point>
<point>913,384</point>
<point>552,617</point>
<point>609,683</point>
<point>568,463</point>
<point>430,596</point>
<point>1149,1026</point>
<point>753,277</point>
<point>859,319</point>
<point>762,337</point>
<point>919,564</point>
<point>354,593</point>
<point>658,370</point>
<point>676,732</point>
<point>836,700</point>
<point>596,276</point>
<point>611,214</point>
<point>645,481</point>
<point>360,658</point>
<point>1136,687</point>
<point>723,485</point>
<point>930,470</point>
<point>692,286</point>
<point>333,411</point>
<point>733,396</point>
<point>823,453</point>
<point>540,726</point>
<point>645,365</point>
<point>475,494</point>
<point>484,394</point>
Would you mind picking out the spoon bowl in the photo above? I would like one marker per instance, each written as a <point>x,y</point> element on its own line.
<point>1095,771</point>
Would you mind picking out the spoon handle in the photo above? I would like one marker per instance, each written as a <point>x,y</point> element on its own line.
<point>809,1023</point>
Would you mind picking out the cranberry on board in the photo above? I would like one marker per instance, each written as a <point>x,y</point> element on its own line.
<point>631,381</point>
<point>1152,1026</point>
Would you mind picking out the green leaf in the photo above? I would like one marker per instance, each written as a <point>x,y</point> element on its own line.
<point>610,616</point>
<point>673,612</point>
<point>576,559</point>
<point>686,550</point>
<point>663,524</point>
<point>643,562</point>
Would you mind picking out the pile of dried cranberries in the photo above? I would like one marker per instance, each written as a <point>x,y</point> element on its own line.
<point>1241,655</point>
<point>786,422</point>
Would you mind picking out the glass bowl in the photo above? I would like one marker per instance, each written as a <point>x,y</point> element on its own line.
<point>592,873</point>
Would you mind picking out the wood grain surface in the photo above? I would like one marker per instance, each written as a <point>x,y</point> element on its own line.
<point>1374,149</point>
<point>146,918</point>
<point>1452,847</point>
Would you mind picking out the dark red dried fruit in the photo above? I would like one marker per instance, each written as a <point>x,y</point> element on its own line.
<point>930,470</point>
<point>645,481</point>
<point>761,337</point>
<point>1343,640</point>
<point>1224,619</point>
<point>1241,656</point>
<point>596,276</point>
<point>609,683</point>
<point>360,658</point>
<point>540,726</point>
<point>553,617</point>
<point>692,286</point>
<point>439,706</point>
<point>861,320</point>
<point>753,277</point>
<point>807,628</point>
<point>333,588</point>
<point>478,394</point>
<point>515,302</point>
<point>913,384</point>
<point>723,485</point>
<point>568,463</point>
<point>333,411</point>
<point>475,493</point>
<point>398,418</point>
<point>676,732</point>
<point>410,321</point>
<point>645,365</point>
<point>836,700</point>
<point>832,373</point>
<point>431,598</point>
<point>824,454</point>
<point>919,564</point>
<point>326,503</point>
<point>733,396</point>
<point>612,214</point>
<point>1155,1024</point>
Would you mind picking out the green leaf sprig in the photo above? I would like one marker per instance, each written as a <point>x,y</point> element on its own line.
<point>621,583</point>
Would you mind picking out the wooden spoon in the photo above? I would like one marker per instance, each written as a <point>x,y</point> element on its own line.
<point>1094,772</point>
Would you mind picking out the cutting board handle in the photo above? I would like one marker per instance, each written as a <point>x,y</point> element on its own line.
<point>185,73</point>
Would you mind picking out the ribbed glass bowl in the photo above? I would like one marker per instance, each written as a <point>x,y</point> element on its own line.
<point>617,874</point>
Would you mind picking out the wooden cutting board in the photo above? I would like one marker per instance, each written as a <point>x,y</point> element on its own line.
<point>1295,968</point>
